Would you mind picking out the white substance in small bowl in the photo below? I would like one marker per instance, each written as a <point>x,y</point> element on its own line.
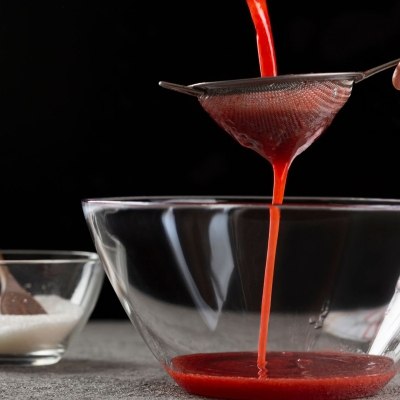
<point>21,334</point>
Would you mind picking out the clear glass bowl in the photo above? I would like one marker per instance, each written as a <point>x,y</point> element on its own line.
<point>66,284</point>
<point>189,273</point>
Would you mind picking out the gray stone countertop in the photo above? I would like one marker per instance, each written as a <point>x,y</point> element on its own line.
<point>109,360</point>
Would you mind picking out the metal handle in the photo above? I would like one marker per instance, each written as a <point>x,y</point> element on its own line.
<point>375,70</point>
<point>182,89</point>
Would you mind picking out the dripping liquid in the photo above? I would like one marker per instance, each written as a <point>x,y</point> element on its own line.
<point>268,67</point>
<point>280,175</point>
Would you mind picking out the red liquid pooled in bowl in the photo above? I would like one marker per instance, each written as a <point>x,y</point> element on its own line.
<point>300,376</point>
<point>289,376</point>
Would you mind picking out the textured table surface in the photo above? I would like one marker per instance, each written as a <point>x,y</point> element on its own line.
<point>108,360</point>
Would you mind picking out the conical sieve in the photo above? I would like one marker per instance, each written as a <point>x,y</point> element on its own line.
<point>278,117</point>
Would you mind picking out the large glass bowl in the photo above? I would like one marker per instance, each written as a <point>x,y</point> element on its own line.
<point>189,273</point>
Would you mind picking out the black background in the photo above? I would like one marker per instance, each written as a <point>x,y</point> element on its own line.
<point>82,114</point>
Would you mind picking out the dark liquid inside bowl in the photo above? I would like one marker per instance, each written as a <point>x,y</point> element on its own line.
<point>288,375</point>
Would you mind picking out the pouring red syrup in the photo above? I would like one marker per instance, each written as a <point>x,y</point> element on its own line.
<point>266,55</point>
<point>284,375</point>
<point>265,43</point>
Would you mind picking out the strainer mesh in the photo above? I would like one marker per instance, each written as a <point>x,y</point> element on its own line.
<point>279,120</point>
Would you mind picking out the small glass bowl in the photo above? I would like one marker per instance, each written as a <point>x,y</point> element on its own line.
<point>66,284</point>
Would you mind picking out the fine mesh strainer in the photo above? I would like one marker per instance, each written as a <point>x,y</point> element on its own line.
<point>278,117</point>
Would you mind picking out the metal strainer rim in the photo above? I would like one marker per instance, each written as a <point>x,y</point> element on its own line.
<point>280,79</point>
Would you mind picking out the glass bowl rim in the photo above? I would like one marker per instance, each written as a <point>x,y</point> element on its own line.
<point>82,256</point>
<point>290,202</point>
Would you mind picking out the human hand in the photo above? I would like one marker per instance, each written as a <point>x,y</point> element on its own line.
<point>396,77</point>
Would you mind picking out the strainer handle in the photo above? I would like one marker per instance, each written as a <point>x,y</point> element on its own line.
<point>182,89</point>
<point>375,70</point>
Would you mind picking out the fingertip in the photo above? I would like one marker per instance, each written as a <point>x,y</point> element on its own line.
<point>396,77</point>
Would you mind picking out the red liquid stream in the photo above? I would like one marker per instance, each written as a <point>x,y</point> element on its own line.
<point>280,175</point>
<point>266,55</point>
<point>265,43</point>
<point>284,376</point>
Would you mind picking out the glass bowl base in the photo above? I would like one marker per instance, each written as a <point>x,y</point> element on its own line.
<point>38,358</point>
